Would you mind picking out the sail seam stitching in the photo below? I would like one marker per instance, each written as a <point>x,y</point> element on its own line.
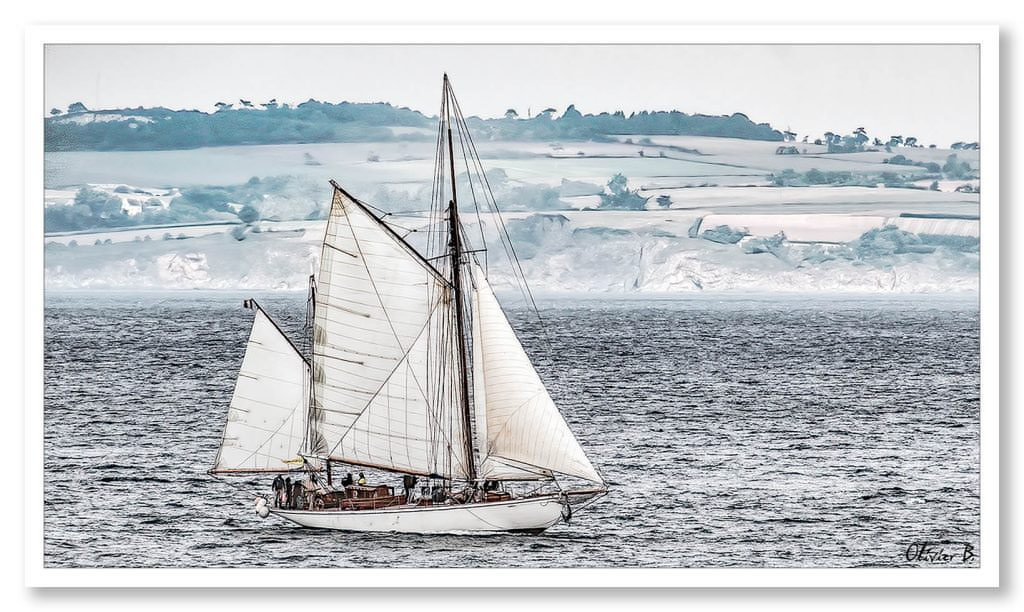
<point>394,332</point>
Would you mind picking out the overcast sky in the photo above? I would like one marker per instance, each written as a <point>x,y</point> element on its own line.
<point>928,91</point>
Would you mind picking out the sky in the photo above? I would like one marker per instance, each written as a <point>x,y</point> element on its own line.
<point>927,91</point>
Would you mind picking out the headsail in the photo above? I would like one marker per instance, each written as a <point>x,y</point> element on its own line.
<point>266,422</point>
<point>521,434</point>
<point>384,351</point>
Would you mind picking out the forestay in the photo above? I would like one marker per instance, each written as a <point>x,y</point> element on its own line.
<point>520,432</point>
<point>384,390</point>
<point>266,420</point>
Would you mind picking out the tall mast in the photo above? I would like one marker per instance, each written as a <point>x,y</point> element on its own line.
<point>312,433</point>
<point>455,252</point>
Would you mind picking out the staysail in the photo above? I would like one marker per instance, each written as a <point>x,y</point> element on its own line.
<point>520,432</point>
<point>266,422</point>
<point>384,352</point>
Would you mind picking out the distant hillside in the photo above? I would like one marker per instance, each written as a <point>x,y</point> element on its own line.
<point>81,129</point>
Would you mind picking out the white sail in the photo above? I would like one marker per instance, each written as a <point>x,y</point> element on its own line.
<point>266,422</point>
<point>384,356</point>
<point>525,435</point>
<point>480,393</point>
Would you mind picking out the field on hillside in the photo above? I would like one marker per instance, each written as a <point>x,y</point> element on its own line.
<point>714,218</point>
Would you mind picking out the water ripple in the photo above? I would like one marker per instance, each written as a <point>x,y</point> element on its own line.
<point>742,434</point>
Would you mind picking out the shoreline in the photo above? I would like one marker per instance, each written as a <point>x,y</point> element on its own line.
<point>511,297</point>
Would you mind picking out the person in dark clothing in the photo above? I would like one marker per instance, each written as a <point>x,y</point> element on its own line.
<point>288,492</point>
<point>297,495</point>
<point>408,482</point>
<point>347,480</point>
<point>278,488</point>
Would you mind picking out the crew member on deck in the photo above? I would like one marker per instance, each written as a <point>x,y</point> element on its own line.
<point>278,488</point>
<point>362,479</point>
<point>295,500</point>
<point>310,490</point>
<point>408,482</point>
<point>347,480</point>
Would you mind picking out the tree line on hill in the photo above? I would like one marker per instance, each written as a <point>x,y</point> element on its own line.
<point>81,129</point>
<point>859,141</point>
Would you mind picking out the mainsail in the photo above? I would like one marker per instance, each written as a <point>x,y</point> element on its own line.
<point>266,422</point>
<point>520,433</point>
<point>385,392</point>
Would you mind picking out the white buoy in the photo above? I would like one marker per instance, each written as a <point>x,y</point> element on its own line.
<point>261,508</point>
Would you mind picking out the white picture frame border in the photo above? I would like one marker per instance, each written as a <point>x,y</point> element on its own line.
<point>986,37</point>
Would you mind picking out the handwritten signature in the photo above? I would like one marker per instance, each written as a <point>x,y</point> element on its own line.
<point>940,552</point>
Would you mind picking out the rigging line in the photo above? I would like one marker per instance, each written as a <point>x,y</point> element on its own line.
<point>443,397</point>
<point>472,189</point>
<point>463,135</point>
<point>465,251</point>
<point>506,239</point>
<point>438,427</point>
<point>504,229</point>
<point>427,224</point>
<point>463,131</point>
<point>442,426</point>
<point>454,389</point>
<point>446,390</point>
<point>410,213</point>
<point>391,233</point>
<point>435,420</point>
<point>446,439</point>
<point>429,397</point>
<point>417,230</point>
<point>522,466</point>
<point>502,235</point>
<point>433,246</point>
<point>401,360</point>
<point>457,264</point>
<point>306,362</point>
<point>267,441</point>
<point>384,213</point>
<point>437,187</point>
<point>278,328</point>
<point>390,324</point>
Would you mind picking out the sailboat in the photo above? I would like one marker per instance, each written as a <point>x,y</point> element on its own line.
<point>413,371</point>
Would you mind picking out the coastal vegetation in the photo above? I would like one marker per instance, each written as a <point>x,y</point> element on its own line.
<point>246,123</point>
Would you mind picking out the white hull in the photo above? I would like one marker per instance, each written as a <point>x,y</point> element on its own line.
<point>531,514</point>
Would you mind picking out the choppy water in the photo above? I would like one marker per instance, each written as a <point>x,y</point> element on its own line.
<point>786,432</point>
